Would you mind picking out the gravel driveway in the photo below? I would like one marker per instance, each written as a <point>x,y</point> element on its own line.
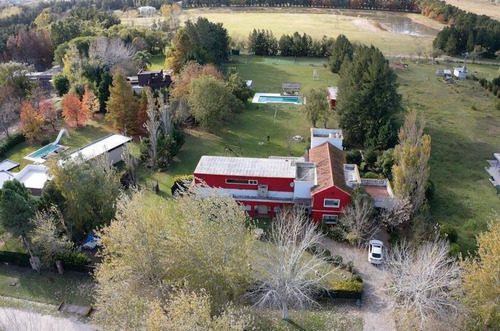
<point>375,311</point>
<point>19,320</point>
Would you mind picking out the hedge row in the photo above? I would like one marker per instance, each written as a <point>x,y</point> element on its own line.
<point>11,142</point>
<point>349,289</point>
<point>18,259</point>
<point>23,260</point>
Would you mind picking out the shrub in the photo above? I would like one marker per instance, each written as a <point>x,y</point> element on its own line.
<point>350,289</point>
<point>337,260</point>
<point>356,278</point>
<point>454,249</point>
<point>11,142</point>
<point>45,141</point>
<point>353,157</point>
<point>74,259</point>
<point>449,232</point>
<point>370,157</point>
<point>350,266</point>
<point>326,254</point>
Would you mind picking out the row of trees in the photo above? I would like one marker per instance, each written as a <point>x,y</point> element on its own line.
<point>263,42</point>
<point>394,5</point>
<point>466,31</point>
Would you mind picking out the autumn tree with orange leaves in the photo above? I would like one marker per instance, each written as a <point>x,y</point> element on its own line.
<point>31,121</point>
<point>90,103</point>
<point>72,110</point>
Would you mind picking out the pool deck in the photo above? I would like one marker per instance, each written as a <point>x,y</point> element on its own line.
<point>258,95</point>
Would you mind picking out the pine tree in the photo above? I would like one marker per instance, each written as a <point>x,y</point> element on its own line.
<point>367,98</point>
<point>342,50</point>
<point>122,106</point>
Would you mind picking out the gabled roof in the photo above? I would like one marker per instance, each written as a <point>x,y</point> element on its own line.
<point>329,162</point>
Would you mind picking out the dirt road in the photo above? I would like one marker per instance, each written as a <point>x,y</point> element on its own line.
<point>375,311</point>
<point>19,320</point>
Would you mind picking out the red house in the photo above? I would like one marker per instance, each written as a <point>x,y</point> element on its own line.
<point>316,182</point>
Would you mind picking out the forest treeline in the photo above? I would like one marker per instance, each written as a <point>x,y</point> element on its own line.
<point>466,31</point>
<point>391,5</point>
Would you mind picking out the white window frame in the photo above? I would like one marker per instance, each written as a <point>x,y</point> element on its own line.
<point>330,219</point>
<point>335,201</point>
<point>249,181</point>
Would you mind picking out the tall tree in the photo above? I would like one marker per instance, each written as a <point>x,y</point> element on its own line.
<point>316,106</point>
<point>10,78</point>
<point>33,47</point>
<point>9,110</point>
<point>481,280</point>
<point>287,275</point>
<point>90,103</point>
<point>48,112</point>
<point>212,102</point>
<point>190,71</point>
<point>72,110</point>
<point>208,247</point>
<point>342,51</point>
<point>368,100</point>
<point>411,168</point>
<point>142,115</point>
<point>239,88</point>
<point>17,206</point>
<point>152,126</point>
<point>90,189</point>
<point>111,53</point>
<point>142,60</point>
<point>31,121</point>
<point>122,106</point>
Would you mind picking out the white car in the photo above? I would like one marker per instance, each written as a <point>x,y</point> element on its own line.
<point>375,252</point>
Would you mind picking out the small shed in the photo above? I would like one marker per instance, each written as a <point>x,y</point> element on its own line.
<point>447,73</point>
<point>460,72</point>
<point>290,88</point>
<point>332,96</point>
<point>146,10</point>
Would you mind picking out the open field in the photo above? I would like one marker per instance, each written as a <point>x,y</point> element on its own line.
<point>465,130</point>
<point>481,7</point>
<point>358,26</point>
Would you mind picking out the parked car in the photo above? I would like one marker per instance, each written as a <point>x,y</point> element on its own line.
<point>375,251</point>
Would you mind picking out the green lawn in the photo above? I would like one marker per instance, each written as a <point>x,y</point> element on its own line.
<point>465,130</point>
<point>47,287</point>
<point>157,62</point>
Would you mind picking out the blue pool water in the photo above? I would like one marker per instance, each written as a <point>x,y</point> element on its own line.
<point>45,150</point>
<point>280,99</point>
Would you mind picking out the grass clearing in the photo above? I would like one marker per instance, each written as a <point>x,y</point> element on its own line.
<point>465,130</point>
<point>46,287</point>
<point>329,317</point>
<point>489,8</point>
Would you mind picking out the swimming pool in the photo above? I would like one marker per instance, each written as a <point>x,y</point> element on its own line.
<point>276,98</point>
<point>40,154</point>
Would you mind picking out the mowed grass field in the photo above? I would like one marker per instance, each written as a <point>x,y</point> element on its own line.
<point>481,7</point>
<point>465,129</point>
<point>315,22</point>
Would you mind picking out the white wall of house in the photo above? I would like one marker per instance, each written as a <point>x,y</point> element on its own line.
<point>115,155</point>
<point>320,136</point>
<point>302,189</point>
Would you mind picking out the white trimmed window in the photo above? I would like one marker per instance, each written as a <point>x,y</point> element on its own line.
<point>242,181</point>
<point>330,219</point>
<point>331,203</point>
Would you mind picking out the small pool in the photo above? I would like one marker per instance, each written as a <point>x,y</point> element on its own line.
<point>40,154</point>
<point>276,98</point>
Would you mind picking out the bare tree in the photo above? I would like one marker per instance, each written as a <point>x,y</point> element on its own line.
<point>111,52</point>
<point>131,165</point>
<point>288,276</point>
<point>424,281</point>
<point>165,114</point>
<point>9,110</point>
<point>396,213</point>
<point>359,218</point>
<point>152,126</point>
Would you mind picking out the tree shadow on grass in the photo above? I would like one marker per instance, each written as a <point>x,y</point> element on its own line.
<point>293,324</point>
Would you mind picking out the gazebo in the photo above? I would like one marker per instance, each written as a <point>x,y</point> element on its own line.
<point>290,88</point>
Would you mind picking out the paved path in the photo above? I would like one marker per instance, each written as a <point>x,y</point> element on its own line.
<point>375,311</point>
<point>19,320</point>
